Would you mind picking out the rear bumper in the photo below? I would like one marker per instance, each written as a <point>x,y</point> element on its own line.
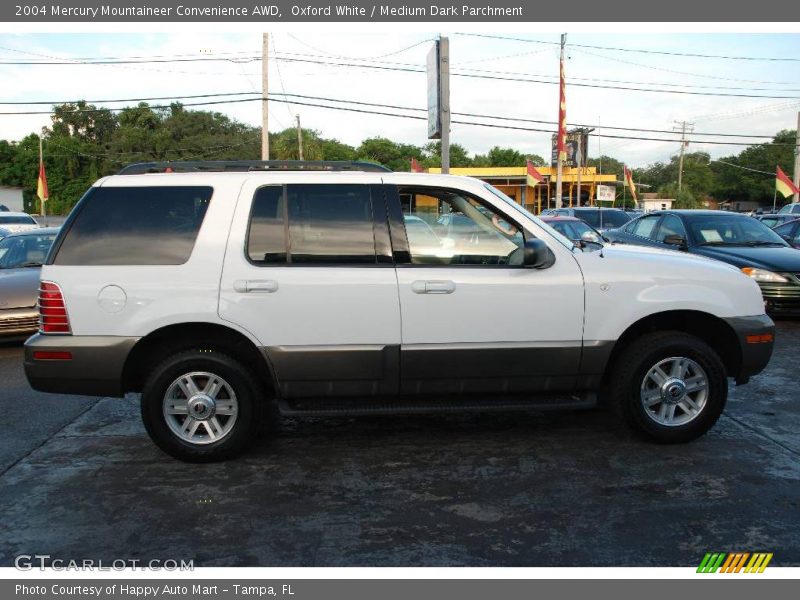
<point>94,369</point>
<point>756,337</point>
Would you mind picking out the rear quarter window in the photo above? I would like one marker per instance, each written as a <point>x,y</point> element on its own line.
<point>155,225</point>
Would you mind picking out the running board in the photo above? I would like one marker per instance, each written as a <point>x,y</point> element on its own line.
<point>328,407</point>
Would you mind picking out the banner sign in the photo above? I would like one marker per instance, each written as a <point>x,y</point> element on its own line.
<point>508,11</point>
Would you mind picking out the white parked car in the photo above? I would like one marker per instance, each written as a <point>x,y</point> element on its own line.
<point>226,292</point>
<point>13,222</point>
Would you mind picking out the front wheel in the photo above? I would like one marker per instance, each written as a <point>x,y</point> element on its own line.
<point>201,406</point>
<point>669,387</point>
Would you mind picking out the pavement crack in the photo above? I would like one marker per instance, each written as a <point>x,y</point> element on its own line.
<point>55,434</point>
<point>762,434</point>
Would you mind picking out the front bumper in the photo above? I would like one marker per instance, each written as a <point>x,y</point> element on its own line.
<point>782,299</point>
<point>19,322</point>
<point>94,367</point>
<point>756,337</point>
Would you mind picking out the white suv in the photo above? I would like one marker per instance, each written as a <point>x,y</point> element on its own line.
<point>228,292</point>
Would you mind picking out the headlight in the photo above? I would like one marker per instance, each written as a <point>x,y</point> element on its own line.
<point>762,276</point>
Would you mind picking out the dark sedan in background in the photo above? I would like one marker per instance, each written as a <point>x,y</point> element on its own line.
<point>736,239</point>
<point>790,232</point>
<point>599,218</point>
<point>21,258</point>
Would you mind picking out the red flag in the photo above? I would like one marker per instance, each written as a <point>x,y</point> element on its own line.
<point>534,176</point>
<point>415,166</point>
<point>41,186</point>
<point>561,145</point>
<point>783,184</point>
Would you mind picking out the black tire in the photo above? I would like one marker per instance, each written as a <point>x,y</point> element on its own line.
<point>636,361</point>
<point>249,397</point>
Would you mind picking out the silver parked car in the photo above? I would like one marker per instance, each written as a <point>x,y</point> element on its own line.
<point>21,258</point>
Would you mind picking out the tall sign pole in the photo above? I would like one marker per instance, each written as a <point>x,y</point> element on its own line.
<point>444,77</point>
<point>797,161</point>
<point>438,70</point>
<point>561,146</point>
<point>264,97</point>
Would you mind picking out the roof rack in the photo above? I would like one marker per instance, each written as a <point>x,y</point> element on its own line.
<point>192,166</point>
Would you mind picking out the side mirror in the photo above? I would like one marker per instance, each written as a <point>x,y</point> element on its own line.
<point>537,255</point>
<point>676,240</point>
<point>788,238</point>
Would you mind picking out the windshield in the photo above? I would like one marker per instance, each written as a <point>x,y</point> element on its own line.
<point>24,250</point>
<point>561,238</point>
<point>16,220</point>
<point>732,230</point>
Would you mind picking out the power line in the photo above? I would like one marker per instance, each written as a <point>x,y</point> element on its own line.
<point>539,81</point>
<point>636,50</point>
<point>340,100</point>
<point>257,96</point>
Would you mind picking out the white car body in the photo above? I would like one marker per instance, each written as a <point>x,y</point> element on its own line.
<point>390,330</point>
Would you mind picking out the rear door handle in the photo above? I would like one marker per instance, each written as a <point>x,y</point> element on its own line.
<point>433,287</point>
<point>258,286</point>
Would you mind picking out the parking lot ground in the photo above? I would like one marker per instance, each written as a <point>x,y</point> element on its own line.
<point>80,479</point>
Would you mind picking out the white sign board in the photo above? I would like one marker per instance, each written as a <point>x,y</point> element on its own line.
<point>606,193</point>
<point>434,94</point>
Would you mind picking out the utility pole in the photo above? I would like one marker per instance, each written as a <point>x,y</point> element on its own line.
<point>684,129</point>
<point>797,160</point>
<point>578,159</point>
<point>264,97</point>
<point>299,139</point>
<point>561,108</point>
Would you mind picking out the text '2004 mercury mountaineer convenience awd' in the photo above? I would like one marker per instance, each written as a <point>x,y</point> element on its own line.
<point>227,293</point>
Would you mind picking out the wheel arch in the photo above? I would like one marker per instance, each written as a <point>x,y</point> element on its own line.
<point>713,330</point>
<point>165,341</point>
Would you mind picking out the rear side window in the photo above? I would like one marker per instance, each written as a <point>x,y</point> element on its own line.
<point>16,220</point>
<point>135,226</point>
<point>312,224</point>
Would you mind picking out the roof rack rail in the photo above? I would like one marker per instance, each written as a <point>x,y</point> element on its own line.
<point>192,166</point>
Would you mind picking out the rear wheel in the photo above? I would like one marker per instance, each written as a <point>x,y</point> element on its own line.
<point>201,406</point>
<point>669,387</point>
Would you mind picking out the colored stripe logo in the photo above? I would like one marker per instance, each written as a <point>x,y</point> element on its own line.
<point>735,562</point>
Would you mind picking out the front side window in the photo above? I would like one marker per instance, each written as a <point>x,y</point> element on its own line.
<point>312,224</point>
<point>645,227</point>
<point>446,227</point>
<point>155,225</point>
<point>671,225</point>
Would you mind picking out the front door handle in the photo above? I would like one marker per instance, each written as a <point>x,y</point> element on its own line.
<point>258,286</point>
<point>433,287</point>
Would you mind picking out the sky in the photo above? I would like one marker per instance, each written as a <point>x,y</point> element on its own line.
<point>505,96</point>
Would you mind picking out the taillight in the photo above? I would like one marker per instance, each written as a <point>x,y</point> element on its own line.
<point>53,316</point>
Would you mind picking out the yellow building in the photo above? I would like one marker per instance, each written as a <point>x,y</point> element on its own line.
<point>512,181</point>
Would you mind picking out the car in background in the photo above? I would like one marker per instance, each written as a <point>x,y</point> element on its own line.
<point>12,222</point>
<point>599,218</point>
<point>734,238</point>
<point>21,257</point>
<point>574,229</point>
<point>790,209</point>
<point>773,220</point>
<point>790,232</point>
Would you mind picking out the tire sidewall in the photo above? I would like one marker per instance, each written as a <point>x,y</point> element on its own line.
<point>238,378</point>
<point>678,346</point>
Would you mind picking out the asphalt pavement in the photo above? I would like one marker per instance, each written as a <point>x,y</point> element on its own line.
<point>80,479</point>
